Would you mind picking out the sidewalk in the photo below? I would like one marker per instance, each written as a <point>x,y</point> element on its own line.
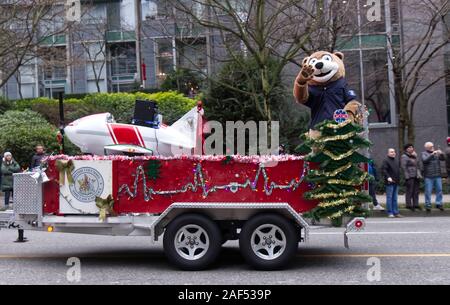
<point>407,213</point>
<point>401,199</point>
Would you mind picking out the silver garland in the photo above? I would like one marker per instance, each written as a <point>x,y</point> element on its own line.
<point>199,182</point>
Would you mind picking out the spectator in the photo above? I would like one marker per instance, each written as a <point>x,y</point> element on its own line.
<point>431,160</point>
<point>373,187</point>
<point>410,167</point>
<point>38,156</point>
<point>391,174</point>
<point>9,167</point>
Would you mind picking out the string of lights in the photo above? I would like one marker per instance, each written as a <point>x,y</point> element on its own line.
<point>199,182</point>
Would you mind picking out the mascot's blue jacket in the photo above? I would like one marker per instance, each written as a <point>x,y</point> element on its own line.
<point>325,100</point>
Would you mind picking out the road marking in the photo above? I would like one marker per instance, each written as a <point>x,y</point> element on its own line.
<point>393,222</point>
<point>406,255</point>
<point>377,233</point>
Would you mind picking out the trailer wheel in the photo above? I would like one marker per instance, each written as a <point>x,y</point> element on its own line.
<point>268,241</point>
<point>192,242</point>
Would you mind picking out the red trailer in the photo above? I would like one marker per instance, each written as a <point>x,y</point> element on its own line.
<point>196,203</point>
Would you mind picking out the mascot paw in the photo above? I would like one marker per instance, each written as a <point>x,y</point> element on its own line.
<point>356,112</point>
<point>306,74</point>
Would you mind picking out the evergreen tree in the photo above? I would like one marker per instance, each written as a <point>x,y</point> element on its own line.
<point>339,180</point>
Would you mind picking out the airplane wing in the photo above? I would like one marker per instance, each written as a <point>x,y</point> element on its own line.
<point>127,149</point>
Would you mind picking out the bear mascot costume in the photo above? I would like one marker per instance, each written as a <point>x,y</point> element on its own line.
<point>322,87</point>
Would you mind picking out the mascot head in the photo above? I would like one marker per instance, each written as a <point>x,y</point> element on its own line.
<point>328,67</point>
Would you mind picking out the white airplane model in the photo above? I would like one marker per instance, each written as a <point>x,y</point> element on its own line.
<point>99,134</point>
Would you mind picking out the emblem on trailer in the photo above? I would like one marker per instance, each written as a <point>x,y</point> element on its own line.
<point>88,184</point>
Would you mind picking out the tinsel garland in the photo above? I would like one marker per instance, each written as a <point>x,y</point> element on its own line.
<point>334,125</point>
<point>199,182</point>
<point>332,195</point>
<point>339,157</point>
<point>333,173</point>
<point>341,213</point>
<point>334,203</point>
<point>336,138</point>
<point>351,182</point>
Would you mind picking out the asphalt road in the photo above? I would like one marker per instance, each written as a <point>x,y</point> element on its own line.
<point>407,251</point>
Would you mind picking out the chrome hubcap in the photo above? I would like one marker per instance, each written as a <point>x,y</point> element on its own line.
<point>268,242</point>
<point>191,242</point>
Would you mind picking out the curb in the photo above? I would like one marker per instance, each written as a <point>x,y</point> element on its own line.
<point>408,213</point>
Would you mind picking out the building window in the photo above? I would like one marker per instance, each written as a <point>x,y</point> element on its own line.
<point>192,54</point>
<point>126,87</point>
<point>113,16</point>
<point>149,9</point>
<point>367,58</point>
<point>53,63</point>
<point>353,72</point>
<point>123,58</point>
<point>164,58</point>
<point>94,14</point>
<point>155,9</point>
<point>376,85</point>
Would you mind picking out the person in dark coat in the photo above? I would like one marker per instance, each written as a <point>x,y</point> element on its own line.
<point>431,160</point>
<point>8,168</point>
<point>410,167</point>
<point>36,160</point>
<point>391,174</point>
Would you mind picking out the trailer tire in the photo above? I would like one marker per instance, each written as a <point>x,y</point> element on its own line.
<point>192,242</point>
<point>268,241</point>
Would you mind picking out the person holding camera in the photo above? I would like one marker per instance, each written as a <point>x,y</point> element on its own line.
<point>431,160</point>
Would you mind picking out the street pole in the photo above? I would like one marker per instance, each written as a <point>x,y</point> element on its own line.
<point>61,122</point>
<point>137,6</point>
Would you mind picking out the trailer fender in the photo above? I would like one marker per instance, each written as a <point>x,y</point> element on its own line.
<point>227,211</point>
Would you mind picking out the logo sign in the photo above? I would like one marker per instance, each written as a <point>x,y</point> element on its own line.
<point>374,11</point>
<point>340,116</point>
<point>88,184</point>
<point>73,10</point>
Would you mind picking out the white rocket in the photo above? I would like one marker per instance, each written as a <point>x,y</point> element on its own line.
<point>99,134</point>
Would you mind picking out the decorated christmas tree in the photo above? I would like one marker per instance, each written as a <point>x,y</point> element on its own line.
<point>339,180</point>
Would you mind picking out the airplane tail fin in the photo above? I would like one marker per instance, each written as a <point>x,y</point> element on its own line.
<point>191,126</point>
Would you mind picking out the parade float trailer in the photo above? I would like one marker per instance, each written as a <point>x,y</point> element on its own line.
<point>195,203</point>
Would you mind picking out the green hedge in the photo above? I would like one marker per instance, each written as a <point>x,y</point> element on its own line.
<point>21,131</point>
<point>5,105</point>
<point>171,104</point>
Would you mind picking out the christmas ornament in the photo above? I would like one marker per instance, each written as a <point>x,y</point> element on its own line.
<point>153,169</point>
